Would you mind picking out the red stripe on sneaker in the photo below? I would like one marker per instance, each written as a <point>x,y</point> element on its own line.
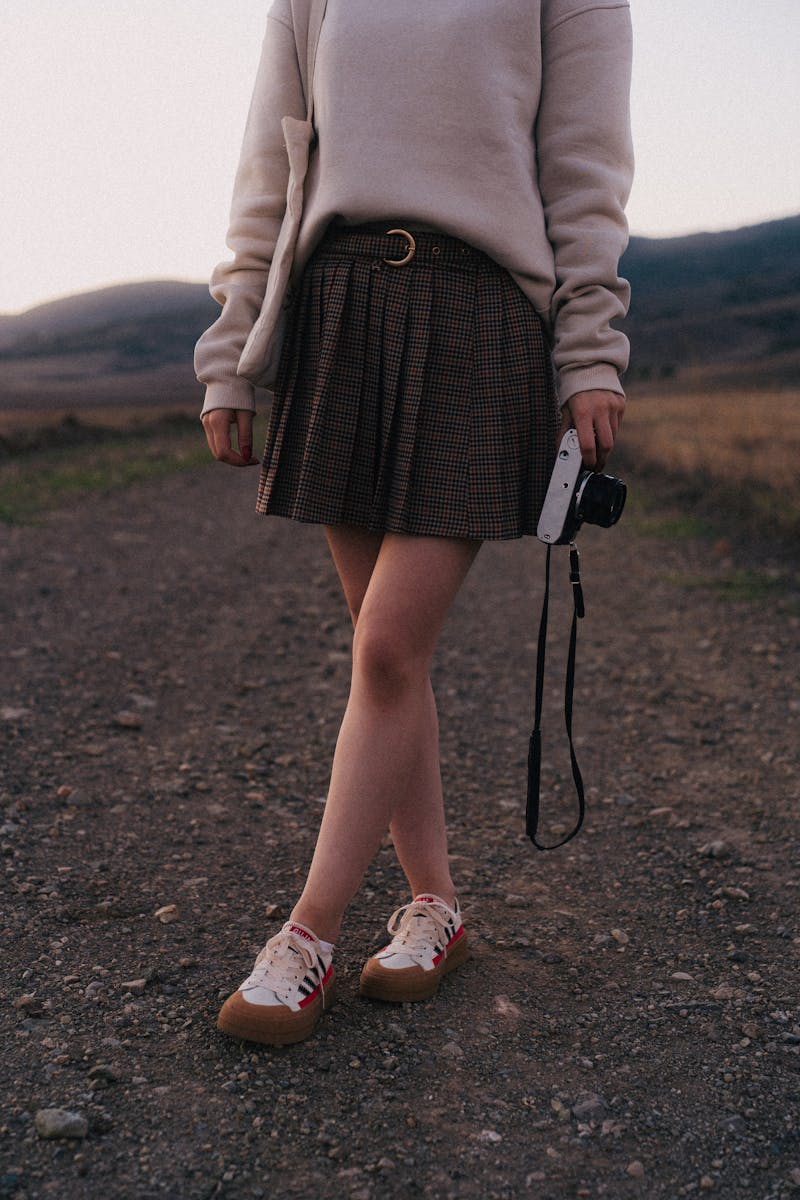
<point>318,988</point>
<point>438,957</point>
<point>303,933</point>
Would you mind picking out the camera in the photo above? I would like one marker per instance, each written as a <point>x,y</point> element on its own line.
<point>575,495</point>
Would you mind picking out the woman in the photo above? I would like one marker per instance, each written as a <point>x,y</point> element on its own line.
<point>417,406</point>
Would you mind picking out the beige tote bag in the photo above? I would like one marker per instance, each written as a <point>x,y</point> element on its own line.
<point>262,350</point>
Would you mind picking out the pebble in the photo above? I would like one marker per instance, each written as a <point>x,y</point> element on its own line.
<point>451,1050</point>
<point>506,1007</point>
<point>726,992</point>
<point>9,713</point>
<point>682,976</point>
<point>715,849</point>
<point>104,1071</point>
<point>134,985</point>
<point>127,720</point>
<point>732,893</point>
<point>706,1183</point>
<point>490,1135</point>
<point>589,1107</point>
<point>60,1123</point>
<point>620,937</point>
<point>167,914</point>
<point>635,1169</point>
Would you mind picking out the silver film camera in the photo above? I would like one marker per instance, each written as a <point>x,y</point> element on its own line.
<point>576,495</point>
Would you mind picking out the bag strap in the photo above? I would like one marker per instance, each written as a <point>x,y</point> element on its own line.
<point>535,743</point>
<point>315,19</point>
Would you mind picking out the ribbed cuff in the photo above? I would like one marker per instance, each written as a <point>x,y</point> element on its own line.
<point>237,393</point>
<point>600,377</point>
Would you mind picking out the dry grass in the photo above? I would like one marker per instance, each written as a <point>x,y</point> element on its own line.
<point>742,438</point>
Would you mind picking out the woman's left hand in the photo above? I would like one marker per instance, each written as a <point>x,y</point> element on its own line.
<point>597,416</point>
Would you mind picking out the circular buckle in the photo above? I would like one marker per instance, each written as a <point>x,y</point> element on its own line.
<point>412,245</point>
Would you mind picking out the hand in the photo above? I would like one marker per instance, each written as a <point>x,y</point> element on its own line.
<point>597,416</point>
<point>217,425</point>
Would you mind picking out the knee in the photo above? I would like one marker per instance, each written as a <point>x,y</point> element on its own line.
<point>386,662</point>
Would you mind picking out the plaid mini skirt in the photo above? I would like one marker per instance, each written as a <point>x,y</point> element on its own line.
<point>416,398</point>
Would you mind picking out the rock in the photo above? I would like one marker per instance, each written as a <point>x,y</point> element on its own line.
<point>106,1072</point>
<point>490,1135</point>
<point>589,1107</point>
<point>726,992</point>
<point>28,1003</point>
<point>732,893</point>
<point>733,1124</point>
<point>620,937</point>
<point>167,914</point>
<point>127,720</point>
<point>134,985</point>
<point>451,1050</point>
<point>682,976</point>
<point>514,900</point>
<point>60,1123</point>
<point>10,713</point>
<point>635,1169</point>
<point>706,1183</point>
<point>715,849</point>
<point>506,1007</point>
<point>273,912</point>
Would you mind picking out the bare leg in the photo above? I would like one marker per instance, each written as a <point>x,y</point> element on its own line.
<point>418,822</point>
<point>387,745</point>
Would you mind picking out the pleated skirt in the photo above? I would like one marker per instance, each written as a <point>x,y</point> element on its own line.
<point>414,399</point>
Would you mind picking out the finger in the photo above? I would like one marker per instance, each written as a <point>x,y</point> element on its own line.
<point>604,436</point>
<point>211,438</point>
<point>219,425</point>
<point>244,434</point>
<point>586,438</point>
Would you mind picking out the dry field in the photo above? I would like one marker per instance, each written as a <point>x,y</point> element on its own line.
<point>747,437</point>
<point>726,452</point>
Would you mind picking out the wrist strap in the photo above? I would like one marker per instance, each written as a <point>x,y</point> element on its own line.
<point>535,744</point>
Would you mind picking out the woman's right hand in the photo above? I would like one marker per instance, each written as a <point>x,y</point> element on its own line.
<point>217,425</point>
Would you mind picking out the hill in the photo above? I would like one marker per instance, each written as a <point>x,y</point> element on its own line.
<point>716,309</point>
<point>710,310</point>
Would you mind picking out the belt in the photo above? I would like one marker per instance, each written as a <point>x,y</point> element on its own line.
<point>397,245</point>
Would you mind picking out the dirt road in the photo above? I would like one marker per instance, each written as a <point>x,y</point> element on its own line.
<point>174,674</point>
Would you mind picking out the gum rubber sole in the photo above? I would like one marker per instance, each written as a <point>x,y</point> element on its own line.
<point>274,1024</point>
<point>408,984</point>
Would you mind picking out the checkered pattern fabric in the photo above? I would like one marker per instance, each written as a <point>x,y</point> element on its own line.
<point>416,399</point>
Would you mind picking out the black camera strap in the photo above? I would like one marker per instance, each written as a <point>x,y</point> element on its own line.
<point>535,744</point>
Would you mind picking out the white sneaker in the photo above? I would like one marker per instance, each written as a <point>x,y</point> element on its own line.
<point>429,941</point>
<point>292,983</point>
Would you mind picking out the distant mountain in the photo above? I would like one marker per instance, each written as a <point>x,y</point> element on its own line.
<point>712,310</point>
<point>717,309</point>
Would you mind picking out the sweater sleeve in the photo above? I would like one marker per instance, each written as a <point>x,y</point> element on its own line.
<point>585,165</point>
<point>257,209</point>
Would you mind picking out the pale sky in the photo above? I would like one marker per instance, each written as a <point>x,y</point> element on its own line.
<point>122,124</point>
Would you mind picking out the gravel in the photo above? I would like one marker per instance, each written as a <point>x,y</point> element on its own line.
<point>628,1025</point>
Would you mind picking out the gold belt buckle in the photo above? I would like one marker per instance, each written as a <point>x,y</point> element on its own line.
<point>412,245</point>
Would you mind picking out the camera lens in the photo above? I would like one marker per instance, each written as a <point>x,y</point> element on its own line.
<point>601,499</point>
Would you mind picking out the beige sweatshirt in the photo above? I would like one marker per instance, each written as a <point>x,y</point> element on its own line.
<point>502,122</point>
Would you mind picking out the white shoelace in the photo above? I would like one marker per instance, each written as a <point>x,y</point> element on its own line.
<point>283,964</point>
<point>414,936</point>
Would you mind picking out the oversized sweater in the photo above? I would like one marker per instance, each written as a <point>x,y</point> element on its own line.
<point>501,122</point>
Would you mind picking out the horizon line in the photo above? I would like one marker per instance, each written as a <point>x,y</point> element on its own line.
<point>138,280</point>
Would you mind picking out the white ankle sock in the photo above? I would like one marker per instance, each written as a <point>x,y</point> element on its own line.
<point>327,947</point>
